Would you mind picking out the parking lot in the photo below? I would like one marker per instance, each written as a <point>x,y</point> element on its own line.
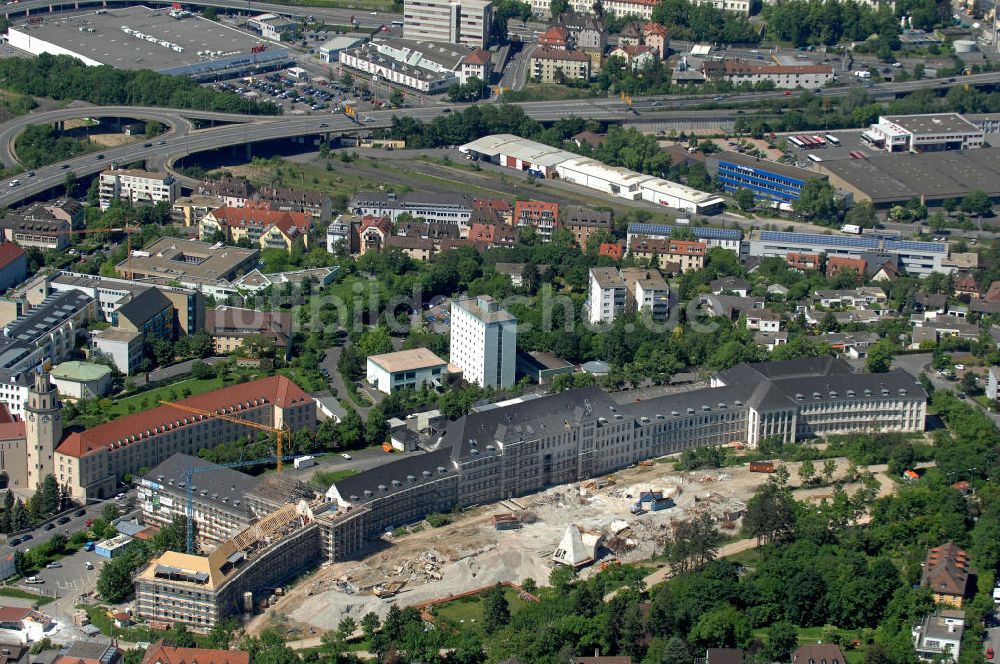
<point>300,96</point>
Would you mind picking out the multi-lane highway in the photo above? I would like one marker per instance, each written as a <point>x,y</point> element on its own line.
<point>325,14</point>
<point>183,140</point>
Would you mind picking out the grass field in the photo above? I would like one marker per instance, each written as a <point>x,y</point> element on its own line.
<point>546,92</point>
<point>41,600</point>
<point>151,399</point>
<point>467,612</point>
<point>324,478</point>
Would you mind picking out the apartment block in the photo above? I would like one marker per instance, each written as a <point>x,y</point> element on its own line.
<point>137,186</point>
<point>550,65</point>
<point>483,341</point>
<point>606,295</point>
<point>405,369</point>
<point>647,291</point>
<point>540,215</point>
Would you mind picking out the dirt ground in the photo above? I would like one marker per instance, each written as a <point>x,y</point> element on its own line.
<point>470,553</point>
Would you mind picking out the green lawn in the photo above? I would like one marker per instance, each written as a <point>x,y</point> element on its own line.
<point>324,478</point>
<point>173,392</point>
<point>467,612</point>
<point>810,635</point>
<point>99,618</point>
<point>41,600</point>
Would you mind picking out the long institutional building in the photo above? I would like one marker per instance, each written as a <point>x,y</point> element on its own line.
<point>520,447</point>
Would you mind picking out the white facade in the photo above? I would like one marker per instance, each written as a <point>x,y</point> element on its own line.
<point>416,77</point>
<point>406,369</point>
<point>483,341</point>
<point>932,132</point>
<point>607,295</point>
<point>992,383</point>
<point>137,187</point>
<point>455,21</point>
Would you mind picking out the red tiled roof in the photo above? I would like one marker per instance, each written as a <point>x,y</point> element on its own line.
<point>479,57</point>
<point>13,613</point>
<point>12,431</point>
<point>278,390</point>
<point>380,223</point>
<point>535,209</point>
<point>290,223</point>
<point>993,292</point>
<point>495,204</point>
<point>9,252</point>
<point>5,416</point>
<point>838,263</point>
<point>158,653</point>
<point>554,35</point>
<point>654,29</point>
<point>481,233</point>
<point>612,250</point>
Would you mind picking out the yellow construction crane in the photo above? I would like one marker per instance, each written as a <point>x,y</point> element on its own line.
<point>279,433</point>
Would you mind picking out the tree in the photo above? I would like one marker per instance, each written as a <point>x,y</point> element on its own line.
<point>210,13</point>
<point>202,370</point>
<point>782,639</point>
<point>109,512</point>
<point>816,201</point>
<point>370,623</point>
<point>722,627</point>
<point>879,358</point>
<point>557,7</point>
<point>807,471</point>
<point>693,543</point>
<point>862,215</point>
<point>396,97</point>
<point>69,183</point>
<point>346,627</point>
<point>770,514</point>
<point>115,581</point>
<point>676,652</point>
<point>180,637</point>
<point>829,468</point>
<point>744,198</point>
<point>977,203</point>
<point>496,611</point>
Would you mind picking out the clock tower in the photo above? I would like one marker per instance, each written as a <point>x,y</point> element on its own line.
<point>43,429</point>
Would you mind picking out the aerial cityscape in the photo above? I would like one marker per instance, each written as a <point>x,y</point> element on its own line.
<point>500,332</point>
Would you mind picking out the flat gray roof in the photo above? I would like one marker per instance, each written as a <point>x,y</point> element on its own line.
<point>889,178</point>
<point>99,37</point>
<point>933,123</point>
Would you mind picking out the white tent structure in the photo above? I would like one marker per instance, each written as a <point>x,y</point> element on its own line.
<point>577,547</point>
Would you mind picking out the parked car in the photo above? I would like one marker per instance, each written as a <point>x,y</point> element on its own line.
<point>346,456</point>
<point>89,565</point>
<point>81,512</point>
<point>15,541</point>
<point>53,565</point>
<point>33,580</point>
<point>48,526</point>
<point>63,520</point>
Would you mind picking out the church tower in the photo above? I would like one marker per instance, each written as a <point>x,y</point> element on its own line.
<point>43,429</point>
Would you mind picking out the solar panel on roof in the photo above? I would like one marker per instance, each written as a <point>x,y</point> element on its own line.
<point>700,231</point>
<point>936,247</point>
<point>821,240</point>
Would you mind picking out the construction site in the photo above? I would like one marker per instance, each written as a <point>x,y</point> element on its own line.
<point>625,518</point>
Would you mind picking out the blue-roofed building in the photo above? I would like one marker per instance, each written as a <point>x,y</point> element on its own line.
<point>769,181</point>
<point>917,258</point>
<point>727,238</point>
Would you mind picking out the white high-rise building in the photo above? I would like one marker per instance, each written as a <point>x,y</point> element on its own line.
<point>607,295</point>
<point>483,341</point>
<point>456,21</point>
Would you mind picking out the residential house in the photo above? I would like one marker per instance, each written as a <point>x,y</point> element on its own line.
<point>160,653</point>
<point>636,56</point>
<point>647,291</point>
<point>947,574</point>
<point>613,250</point>
<point>731,286</point>
<point>235,192</point>
<point>583,222</point>
<point>516,272</point>
<point>965,284</point>
<point>557,37</point>
<point>802,262</point>
<point>939,636</point>
<point>417,248</point>
<point>490,236</point>
<point>770,340</point>
<point>819,653</point>
<point>478,64</point>
<point>259,225</point>
<point>993,292</point>
<point>230,327</point>
<point>764,320</point>
<point>540,215</point>
<point>837,264</point>
<point>671,255</point>
<point>655,36</point>
<point>854,345</point>
<point>589,138</point>
<point>587,33</point>
<point>552,65</point>
<point>313,203</point>
<point>373,233</point>
<point>498,210</point>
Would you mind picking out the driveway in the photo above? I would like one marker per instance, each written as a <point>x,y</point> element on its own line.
<point>329,362</point>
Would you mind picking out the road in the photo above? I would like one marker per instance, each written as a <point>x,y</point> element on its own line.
<point>325,14</point>
<point>921,362</point>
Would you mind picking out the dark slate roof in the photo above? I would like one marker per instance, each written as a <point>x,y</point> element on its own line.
<point>217,483</point>
<point>143,306</point>
<point>437,463</point>
<point>526,419</point>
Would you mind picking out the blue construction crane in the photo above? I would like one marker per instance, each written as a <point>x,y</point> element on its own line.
<point>189,474</point>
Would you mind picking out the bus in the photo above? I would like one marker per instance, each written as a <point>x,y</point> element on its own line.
<point>795,141</point>
<point>397,24</point>
<point>820,142</point>
<point>814,158</point>
<point>833,139</point>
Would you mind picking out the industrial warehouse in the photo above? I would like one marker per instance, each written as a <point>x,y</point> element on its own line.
<point>166,41</point>
<point>549,440</point>
<point>544,161</point>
